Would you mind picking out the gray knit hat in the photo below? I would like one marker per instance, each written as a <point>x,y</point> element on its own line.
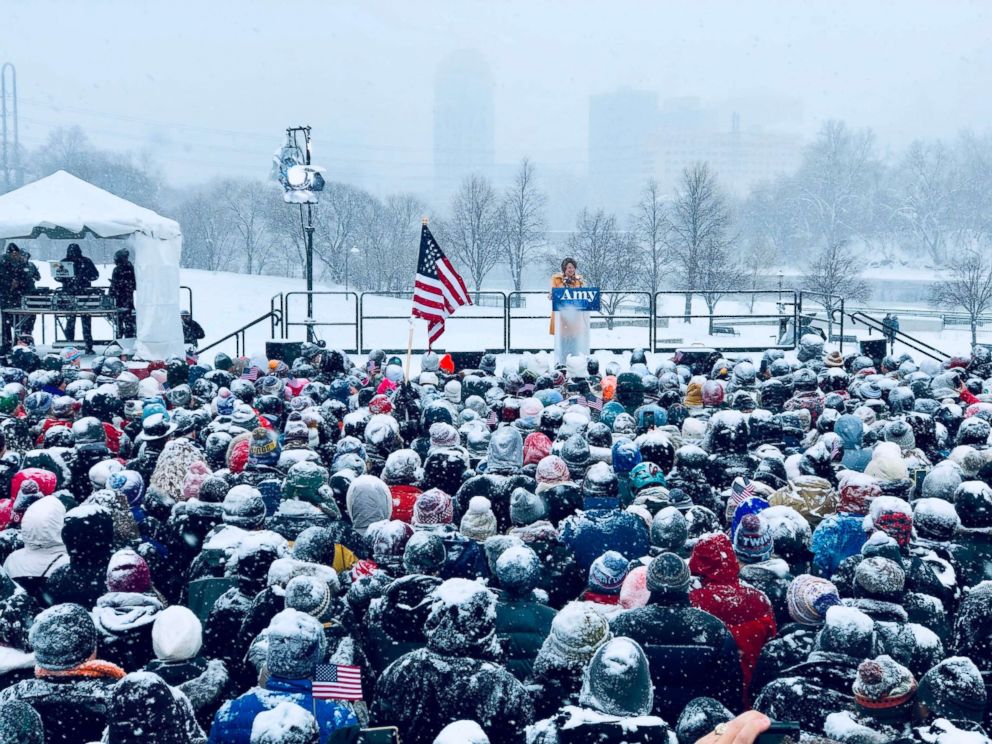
<point>668,574</point>
<point>526,507</point>
<point>62,637</point>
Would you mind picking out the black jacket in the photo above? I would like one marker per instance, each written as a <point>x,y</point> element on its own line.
<point>85,274</point>
<point>122,285</point>
<point>522,624</point>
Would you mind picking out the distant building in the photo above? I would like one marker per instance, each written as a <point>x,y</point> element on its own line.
<point>623,126</point>
<point>464,121</point>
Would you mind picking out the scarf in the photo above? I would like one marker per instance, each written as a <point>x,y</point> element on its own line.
<point>93,669</point>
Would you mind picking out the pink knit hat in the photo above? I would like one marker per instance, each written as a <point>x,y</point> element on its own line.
<point>433,507</point>
<point>634,591</point>
<point>197,473</point>
<point>128,572</point>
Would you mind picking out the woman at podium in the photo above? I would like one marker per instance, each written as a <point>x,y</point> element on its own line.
<point>569,326</point>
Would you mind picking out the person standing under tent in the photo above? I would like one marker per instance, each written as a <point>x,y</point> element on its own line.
<point>17,278</point>
<point>84,274</point>
<point>122,285</point>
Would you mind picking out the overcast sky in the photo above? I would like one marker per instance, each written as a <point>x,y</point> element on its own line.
<point>208,86</point>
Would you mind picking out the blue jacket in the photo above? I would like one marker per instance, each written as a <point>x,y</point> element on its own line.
<point>851,432</point>
<point>590,534</point>
<point>232,724</point>
<point>837,537</point>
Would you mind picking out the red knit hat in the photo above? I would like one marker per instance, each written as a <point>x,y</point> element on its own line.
<point>128,572</point>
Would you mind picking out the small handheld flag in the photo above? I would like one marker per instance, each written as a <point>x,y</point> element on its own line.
<point>337,682</point>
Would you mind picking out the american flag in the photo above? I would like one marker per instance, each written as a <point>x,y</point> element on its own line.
<point>595,404</point>
<point>438,290</point>
<point>337,682</point>
<point>250,374</point>
<point>491,419</point>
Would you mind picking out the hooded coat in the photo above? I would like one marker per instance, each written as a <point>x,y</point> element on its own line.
<point>368,501</point>
<point>124,628</point>
<point>43,551</point>
<point>395,622</point>
<point>503,474</point>
<point>851,432</point>
<point>745,611</point>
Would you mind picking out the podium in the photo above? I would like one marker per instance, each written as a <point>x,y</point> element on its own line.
<point>571,306</point>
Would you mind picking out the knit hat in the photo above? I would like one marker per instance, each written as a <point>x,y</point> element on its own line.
<point>526,507</point>
<point>537,446</point>
<point>308,594</point>
<point>576,632</point>
<point>883,683</point>
<point>128,572</point>
<point>899,432</point>
<point>668,574</point>
<point>551,471</point>
<point>424,553</point>
<point>443,435</point>
<point>935,519</point>
<point>479,522</point>
<point>893,516</point>
<point>809,597</point>
<point>296,645</point>
<point>669,529</point>
<point>753,539</point>
<point>296,434</point>
<point>954,689</point>
<point>834,359</point>
<point>607,572</point>
<point>264,447</point>
<point>177,634</point>
<point>857,491</point>
<point>194,479</point>
<point>879,577</point>
<point>224,402</point>
<point>63,637</point>
<point>518,569</point>
<point>847,630</point>
<point>433,507</point>
<point>244,507</point>
<point>634,592</point>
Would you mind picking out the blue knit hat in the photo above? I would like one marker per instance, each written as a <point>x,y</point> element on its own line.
<point>606,574</point>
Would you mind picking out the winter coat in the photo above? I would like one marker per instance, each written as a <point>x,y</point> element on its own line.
<point>690,654</point>
<point>851,432</point>
<point>233,722</point>
<point>172,466</point>
<point>123,284</point>
<point>836,538</point>
<point>395,621</point>
<point>973,556</point>
<point>73,709</point>
<point>561,577</point>
<point>43,550</point>
<point>807,692</point>
<point>772,578</point>
<point>498,489</point>
<point>746,612</point>
<point>404,498</point>
<point>590,534</point>
<point>192,331</point>
<point>203,684</point>
<point>792,645</point>
<point>88,533</point>
<point>124,628</point>
<point>84,275</point>
<point>522,624</point>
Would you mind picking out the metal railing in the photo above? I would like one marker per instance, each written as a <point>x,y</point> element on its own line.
<point>831,304</point>
<point>240,345</point>
<point>873,324</point>
<point>312,324</point>
<point>612,323</point>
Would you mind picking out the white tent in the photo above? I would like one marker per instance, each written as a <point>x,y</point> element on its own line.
<point>64,207</point>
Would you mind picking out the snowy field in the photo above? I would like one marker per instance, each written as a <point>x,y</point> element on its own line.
<point>222,302</point>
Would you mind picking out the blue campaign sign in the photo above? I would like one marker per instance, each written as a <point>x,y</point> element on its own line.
<point>579,298</point>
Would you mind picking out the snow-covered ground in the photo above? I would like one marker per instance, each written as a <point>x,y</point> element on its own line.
<point>222,302</point>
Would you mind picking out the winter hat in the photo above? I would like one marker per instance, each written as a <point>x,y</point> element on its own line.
<point>461,732</point>
<point>576,632</point>
<point>21,724</point>
<point>285,723</point>
<point>368,500</point>
<point>479,522</point>
<point>699,717</point>
<point>617,681</point>
<point>575,452</point>
<point>848,631</point>
<point>402,468</point>
<point>634,593</point>
<point>264,448</point>
<point>809,597</point>
<point>954,689</point>
<point>857,492</point>
<point>879,577</point>
<point>244,507</point>
<point>128,572</point>
<point>296,434</point>
<point>433,507</point>
<point>462,620</point>
<point>308,594</point>
<point>834,359</point>
<point>551,471</point>
<point>712,394</point>
<point>893,516</point>
<point>883,683</point>
<point>296,645</point>
<point>424,554</point>
<point>941,482</point>
<point>130,483</point>
<point>527,507</point>
<point>887,463</point>
<point>443,435</point>
<point>531,408</point>
<point>193,480</point>
<point>537,446</point>
<point>669,529</point>
<point>177,634</point>
<point>224,402</point>
<point>506,451</point>
<point>973,504</point>
<point>753,539</point>
<point>62,637</point>
<point>899,432</point>
<point>518,569</point>
<point>388,539</point>
<point>935,519</point>
<point>607,572</point>
<point>668,574</point>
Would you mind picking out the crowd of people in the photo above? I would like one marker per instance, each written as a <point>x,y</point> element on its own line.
<point>249,551</point>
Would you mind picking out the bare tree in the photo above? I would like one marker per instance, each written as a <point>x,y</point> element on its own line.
<point>521,221</point>
<point>969,286</point>
<point>758,258</point>
<point>208,231</point>
<point>927,181</point>
<point>249,203</point>
<point>471,233</point>
<point>337,227</point>
<point>651,226</point>
<point>607,258</point>
<point>834,277</point>
<point>699,224</point>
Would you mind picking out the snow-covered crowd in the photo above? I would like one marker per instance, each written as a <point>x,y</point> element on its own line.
<point>248,551</point>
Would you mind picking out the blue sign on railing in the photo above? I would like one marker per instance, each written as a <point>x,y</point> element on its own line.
<point>578,298</point>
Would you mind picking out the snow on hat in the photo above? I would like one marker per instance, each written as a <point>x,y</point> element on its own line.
<point>537,446</point>
<point>296,434</point>
<point>479,522</point>
<point>857,492</point>
<point>551,471</point>
<point>607,572</point>
<point>834,359</point>
<point>518,569</point>
<point>669,529</point>
<point>576,632</point>
<point>433,507</point>
<point>809,597</point>
<point>177,634</point>
<point>285,723</point>
<point>941,482</point>
<point>443,435</point>
<point>296,645</point>
<point>879,576</point>
<point>193,481</point>
<point>899,432</point>
<point>527,507</point>
<point>264,447</point>
<point>753,539</point>
<point>63,637</point>
<point>935,518</point>
<point>668,574</point>
<point>893,516</point>
<point>954,689</point>
<point>847,630</point>
<point>128,572</point>
<point>530,408</point>
<point>380,404</point>
<point>224,402</point>
<point>973,504</point>
<point>308,594</point>
<point>883,683</point>
<point>461,732</point>
<point>244,507</point>
<point>424,554</point>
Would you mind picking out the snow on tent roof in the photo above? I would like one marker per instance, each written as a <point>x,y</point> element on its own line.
<point>63,206</point>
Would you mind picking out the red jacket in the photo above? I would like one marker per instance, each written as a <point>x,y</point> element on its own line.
<point>745,611</point>
<point>403,500</point>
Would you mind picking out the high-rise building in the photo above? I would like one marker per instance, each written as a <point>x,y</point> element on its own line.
<point>623,127</point>
<point>464,121</point>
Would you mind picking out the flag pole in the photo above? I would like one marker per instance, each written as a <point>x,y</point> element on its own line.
<point>409,340</point>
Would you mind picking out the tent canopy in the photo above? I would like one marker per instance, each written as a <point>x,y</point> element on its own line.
<point>64,207</point>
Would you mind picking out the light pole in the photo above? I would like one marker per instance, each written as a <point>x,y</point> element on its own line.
<point>780,275</point>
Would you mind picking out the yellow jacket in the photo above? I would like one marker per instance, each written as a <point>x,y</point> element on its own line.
<point>558,282</point>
